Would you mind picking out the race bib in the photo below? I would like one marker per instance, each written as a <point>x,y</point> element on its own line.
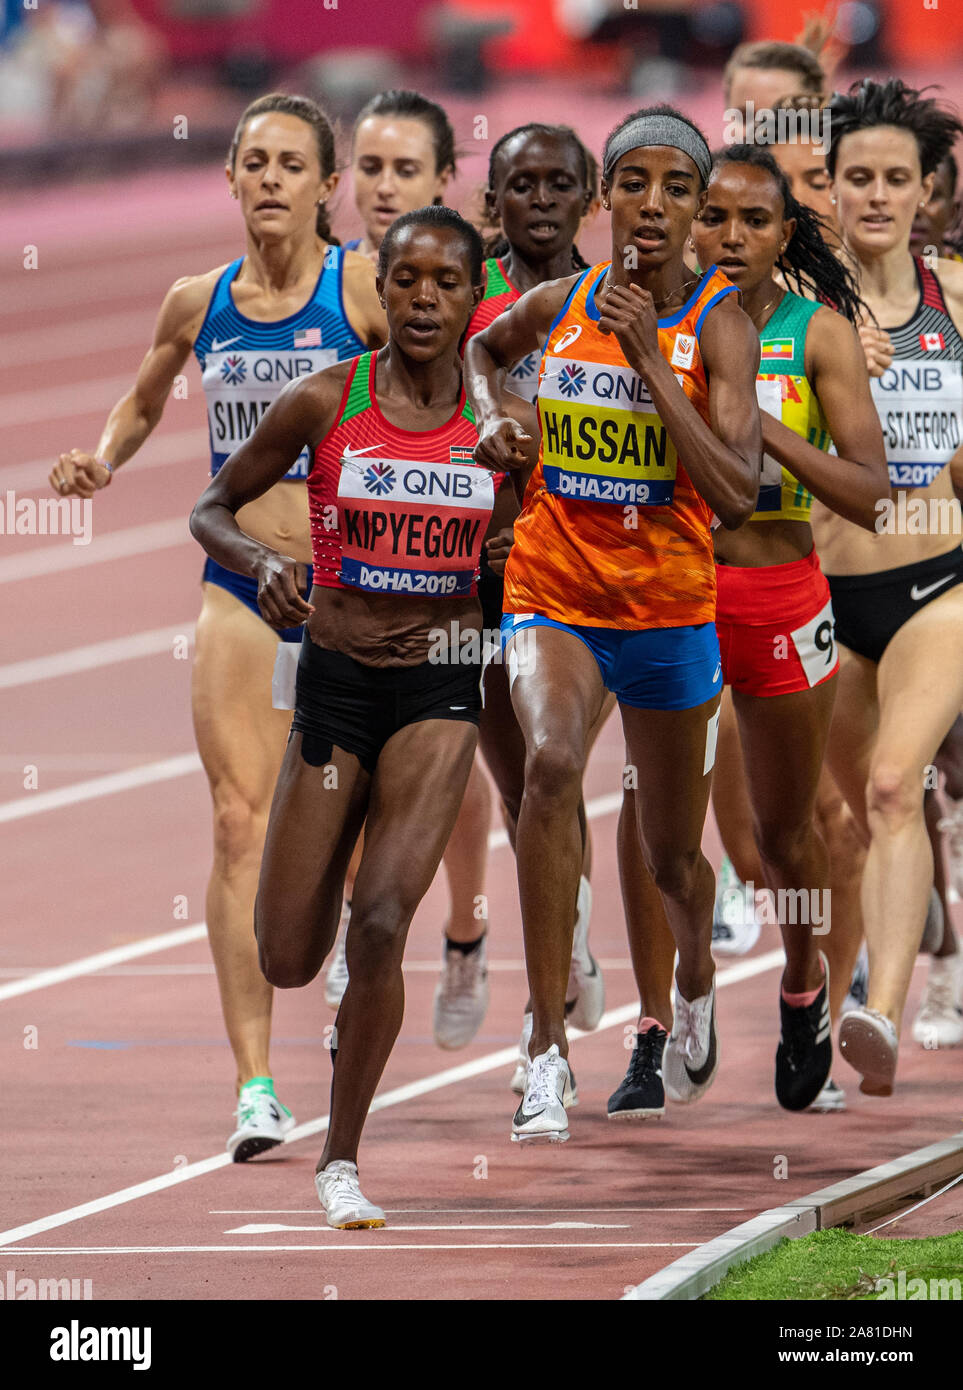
<point>769,396</point>
<point>241,385</point>
<point>815,644</point>
<point>920,406</point>
<point>412,528</point>
<point>284,680</point>
<point>602,440</point>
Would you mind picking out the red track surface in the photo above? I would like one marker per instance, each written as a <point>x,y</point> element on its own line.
<point>130,1076</point>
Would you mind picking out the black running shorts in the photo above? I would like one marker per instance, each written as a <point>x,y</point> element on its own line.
<point>871,608</point>
<point>342,702</point>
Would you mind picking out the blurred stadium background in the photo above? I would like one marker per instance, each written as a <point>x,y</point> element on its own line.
<point>104,88</point>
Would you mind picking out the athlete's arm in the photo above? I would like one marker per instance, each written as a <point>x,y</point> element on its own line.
<point>950,275</point>
<point>136,413</point>
<point>362,306</point>
<point>502,442</point>
<point>853,482</point>
<point>723,458</point>
<point>301,415</point>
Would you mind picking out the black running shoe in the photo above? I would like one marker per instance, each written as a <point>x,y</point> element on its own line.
<point>805,1052</point>
<point>641,1095</point>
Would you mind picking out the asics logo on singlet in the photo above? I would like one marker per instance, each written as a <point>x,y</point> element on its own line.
<point>571,380</point>
<point>379,479</point>
<point>568,338</point>
<point>233,370</point>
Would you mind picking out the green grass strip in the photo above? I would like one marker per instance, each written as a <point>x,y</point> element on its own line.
<point>839,1265</point>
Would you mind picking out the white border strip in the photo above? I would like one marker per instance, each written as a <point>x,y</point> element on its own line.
<point>693,1275</point>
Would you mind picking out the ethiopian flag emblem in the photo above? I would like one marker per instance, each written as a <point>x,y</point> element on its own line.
<point>782,348</point>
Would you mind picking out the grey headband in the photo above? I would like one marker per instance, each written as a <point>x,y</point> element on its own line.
<point>659,130</point>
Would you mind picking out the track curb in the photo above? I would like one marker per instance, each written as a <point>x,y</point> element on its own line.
<point>872,1192</point>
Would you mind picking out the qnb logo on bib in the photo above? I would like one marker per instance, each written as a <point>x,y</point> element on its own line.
<point>233,370</point>
<point>379,478</point>
<point>606,443</point>
<point>920,406</point>
<point>422,535</point>
<point>571,380</point>
<point>240,387</point>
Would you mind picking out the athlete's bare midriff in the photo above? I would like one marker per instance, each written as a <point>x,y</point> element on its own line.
<point>385,630</point>
<point>847,549</point>
<point>760,543</point>
<point>280,519</point>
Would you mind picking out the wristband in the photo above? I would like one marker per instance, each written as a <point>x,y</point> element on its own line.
<point>108,466</point>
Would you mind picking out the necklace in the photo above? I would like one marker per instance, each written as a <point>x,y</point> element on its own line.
<point>659,303</point>
<point>762,314</point>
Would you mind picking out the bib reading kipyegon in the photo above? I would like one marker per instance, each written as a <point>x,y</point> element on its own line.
<point>412,528</point>
<point>602,439</point>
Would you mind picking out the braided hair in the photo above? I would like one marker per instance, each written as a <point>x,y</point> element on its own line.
<point>311,114</point>
<point>807,260</point>
<point>497,244</point>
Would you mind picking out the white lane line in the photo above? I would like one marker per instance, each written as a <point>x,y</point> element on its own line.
<point>266,1229</point>
<point>598,806</point>
<point>35,803</point>
<point>101,284</point>
<point>87,965</point>
<point>466,1211</point>
<point>163,451</point>
<point>153,642</point>
<point>112,545</point>
<point>60,402</point>
<point>348,1248</point>
<point>614,1018</point>
<point>78,338</point>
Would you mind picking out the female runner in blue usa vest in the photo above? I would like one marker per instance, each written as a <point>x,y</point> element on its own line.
<point>291,304</point>
<point>897,593</point>
<point>388,698</point>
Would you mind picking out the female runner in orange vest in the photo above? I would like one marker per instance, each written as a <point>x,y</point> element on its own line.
<point>649,424</point>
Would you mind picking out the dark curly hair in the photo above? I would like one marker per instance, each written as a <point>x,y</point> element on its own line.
<point>869,104</point>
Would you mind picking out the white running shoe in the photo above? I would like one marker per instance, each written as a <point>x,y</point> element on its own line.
<point>858,984</point>
<point>262,1123</point>
<point>461,997</point>
<point>541,1114</point>
<point>939,1022</point>
<point>520,1074</point>
<point>692,1052</point>
<point>735,921</point>
<point>336,978</point>
<point>345,1206</point>
<point>870,1043</point>
<point>586,988</point>
<point>932,938</point>
<point>951,827</point>
<point>831,1099</point>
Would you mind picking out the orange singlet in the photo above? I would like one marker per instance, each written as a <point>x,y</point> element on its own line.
<point>613,532</point>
